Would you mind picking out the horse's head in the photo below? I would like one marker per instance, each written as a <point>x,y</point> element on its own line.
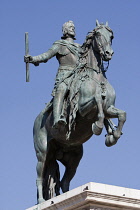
<point>102,40</point>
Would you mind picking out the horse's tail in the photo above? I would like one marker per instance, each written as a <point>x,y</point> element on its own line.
<point>51,184</point>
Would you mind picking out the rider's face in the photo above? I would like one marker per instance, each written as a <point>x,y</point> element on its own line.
<point>71,30</point>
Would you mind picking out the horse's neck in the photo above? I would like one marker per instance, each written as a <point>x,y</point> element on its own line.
<point>94,60</point>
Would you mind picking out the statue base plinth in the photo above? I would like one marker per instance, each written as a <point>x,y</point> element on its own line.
<point>93,196</point>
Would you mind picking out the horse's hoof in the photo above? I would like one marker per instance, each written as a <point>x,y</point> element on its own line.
<point>41,200</point>
<point>110,140</point>
<point>96,129</point>
<point>117,134</point>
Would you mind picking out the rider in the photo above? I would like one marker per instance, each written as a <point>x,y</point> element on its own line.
<point>67,53</point>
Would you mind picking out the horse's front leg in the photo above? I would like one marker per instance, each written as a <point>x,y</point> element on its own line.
<point>90,103</point>
<point>97,127</point>
<point>113,112</point>
<point>110,127</point>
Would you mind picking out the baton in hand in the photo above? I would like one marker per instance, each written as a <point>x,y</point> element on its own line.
<point>27,53</point>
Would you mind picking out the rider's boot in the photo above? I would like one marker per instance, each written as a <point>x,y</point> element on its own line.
<point>59,119</point>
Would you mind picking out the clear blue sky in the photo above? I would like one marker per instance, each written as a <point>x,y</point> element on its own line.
<point>21,102</point>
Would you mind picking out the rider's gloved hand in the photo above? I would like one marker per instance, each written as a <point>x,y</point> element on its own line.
<point>29,59</point>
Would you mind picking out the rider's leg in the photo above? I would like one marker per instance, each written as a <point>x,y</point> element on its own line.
<point>58,102</point>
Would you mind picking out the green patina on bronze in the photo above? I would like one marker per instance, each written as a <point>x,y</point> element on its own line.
<point>83,103</point>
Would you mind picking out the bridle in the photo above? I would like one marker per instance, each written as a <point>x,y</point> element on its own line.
<point>101,42</point>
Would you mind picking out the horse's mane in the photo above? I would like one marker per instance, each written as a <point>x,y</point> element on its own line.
<point>88,40</point>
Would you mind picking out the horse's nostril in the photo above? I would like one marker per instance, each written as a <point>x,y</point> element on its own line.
<point>107,53</point>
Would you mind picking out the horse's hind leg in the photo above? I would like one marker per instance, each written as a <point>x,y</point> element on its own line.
<point>40,144</point>
<point>113,112</point>
<point>39,180</point>
<point>71,161</point>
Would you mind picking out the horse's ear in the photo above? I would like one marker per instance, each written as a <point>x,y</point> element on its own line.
<point>106,23</point>
<point>97,23</point>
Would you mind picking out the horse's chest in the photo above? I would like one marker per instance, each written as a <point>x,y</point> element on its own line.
<point>110,91</point>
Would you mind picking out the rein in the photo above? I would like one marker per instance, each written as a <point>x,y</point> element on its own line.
<point>104,69</point>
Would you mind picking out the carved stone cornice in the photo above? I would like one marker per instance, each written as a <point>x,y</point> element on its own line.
<point>94,196</point>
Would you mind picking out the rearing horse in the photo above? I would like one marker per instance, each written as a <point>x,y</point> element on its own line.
<point>91,105</point>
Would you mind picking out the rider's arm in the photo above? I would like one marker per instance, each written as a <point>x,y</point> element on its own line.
<point>44,57</point>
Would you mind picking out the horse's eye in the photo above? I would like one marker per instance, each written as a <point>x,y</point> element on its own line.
<point>98,34</point>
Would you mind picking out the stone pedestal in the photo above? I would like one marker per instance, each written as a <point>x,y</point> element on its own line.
<point>94,196</point>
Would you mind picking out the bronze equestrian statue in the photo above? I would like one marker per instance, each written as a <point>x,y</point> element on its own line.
<point>83,103</point>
